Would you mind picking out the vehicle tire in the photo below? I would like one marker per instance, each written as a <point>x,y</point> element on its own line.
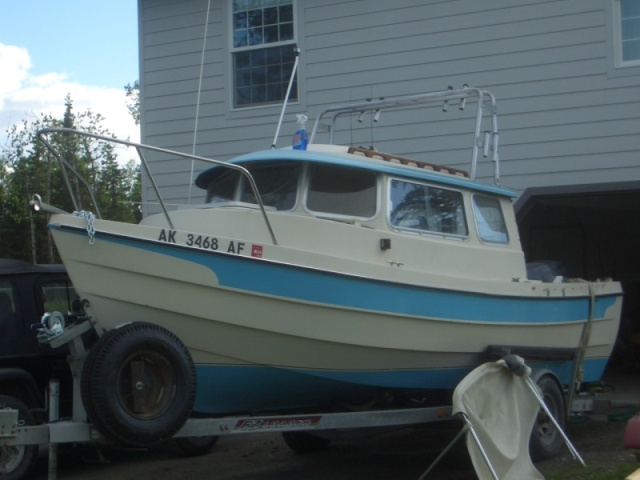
<point>303,442</point>
<point>546,441</point>
<point>192,446</point>
<point>138,384</point>
<point>17,461</point>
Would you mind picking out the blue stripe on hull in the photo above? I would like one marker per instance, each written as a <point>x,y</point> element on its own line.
<point>249,389</point>
<point>345,291</point>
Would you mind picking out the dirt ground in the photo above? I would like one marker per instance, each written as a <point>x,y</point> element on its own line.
<point>398,455</point>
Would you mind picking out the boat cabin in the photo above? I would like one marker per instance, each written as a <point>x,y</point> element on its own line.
<point>354,190</point>
<point>402,201</point>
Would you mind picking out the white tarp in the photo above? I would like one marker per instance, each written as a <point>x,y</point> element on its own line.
<point>502,410</point>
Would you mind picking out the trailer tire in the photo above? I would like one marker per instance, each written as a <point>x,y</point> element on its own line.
<point>138,384</point>
<point>16,462</point>
<point>546,441</point>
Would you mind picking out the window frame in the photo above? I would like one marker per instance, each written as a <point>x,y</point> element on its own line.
<point>481,238</point>
<point>306,186</point>
<point>421,231</point>
<point>8,286</point>
<point>48,285</point>
<point>234,50</point>
<point>619,62</point>
<point>241,186</point>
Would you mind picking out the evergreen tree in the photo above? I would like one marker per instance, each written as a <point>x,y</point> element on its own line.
<point>133,96</point>
<point>27,168</point>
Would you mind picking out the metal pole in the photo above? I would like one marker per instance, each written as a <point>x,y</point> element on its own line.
<point>286,97</point>
<point>54,415</point>
<point>467,427</point>
<point>534,389</point>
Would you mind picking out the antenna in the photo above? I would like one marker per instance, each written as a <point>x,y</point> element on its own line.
<point>296,51</point>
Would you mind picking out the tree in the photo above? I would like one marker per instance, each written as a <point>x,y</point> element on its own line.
<point>27,168</point>
<point>133,96</point>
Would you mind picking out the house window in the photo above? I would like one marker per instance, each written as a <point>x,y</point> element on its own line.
<point>263,42</point>
<point>628,38</point>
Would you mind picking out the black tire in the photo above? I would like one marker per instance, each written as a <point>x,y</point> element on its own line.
<point>191,446</point>
<point>546,441</point>
<point>16,462</point>
<point>303,442</point>
<point>138,384</point>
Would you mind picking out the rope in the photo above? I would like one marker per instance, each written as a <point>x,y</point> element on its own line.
<point>195,127</point>
<point>91,229</point>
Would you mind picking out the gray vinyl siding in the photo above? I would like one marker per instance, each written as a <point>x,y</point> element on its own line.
<point>567,116</point>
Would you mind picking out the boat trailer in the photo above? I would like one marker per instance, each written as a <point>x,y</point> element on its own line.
<point>77,429</point>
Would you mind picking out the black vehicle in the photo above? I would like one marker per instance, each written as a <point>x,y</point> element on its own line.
<point>27,292</point>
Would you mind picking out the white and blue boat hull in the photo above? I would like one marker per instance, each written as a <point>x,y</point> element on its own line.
<point>267,335</point>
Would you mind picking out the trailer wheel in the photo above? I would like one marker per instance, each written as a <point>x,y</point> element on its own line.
<point>303,442</point>
<point>546,441</point>
<point>138,384</point>
<point>17,461</point>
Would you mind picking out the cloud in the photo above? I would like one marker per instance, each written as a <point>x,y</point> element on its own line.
<point>14,65</point>
<point>24,96</point>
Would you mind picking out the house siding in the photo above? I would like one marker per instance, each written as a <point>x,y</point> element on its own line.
<point>567,116</point>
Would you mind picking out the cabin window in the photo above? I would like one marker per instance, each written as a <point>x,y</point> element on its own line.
<point>277,185</point>
<point>262,48</point>
<point>627,13</point>
<point>223,188</point>
<point>489,220</point>
<point>415,206</point>
<point>344,191</point>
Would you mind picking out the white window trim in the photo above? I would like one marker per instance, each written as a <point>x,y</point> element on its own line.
<point>617,39</point>
<point>431,233</point>
<point>232,50</point>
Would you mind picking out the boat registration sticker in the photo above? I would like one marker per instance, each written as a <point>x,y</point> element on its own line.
<point>283,423</point>
<point>256,251</point>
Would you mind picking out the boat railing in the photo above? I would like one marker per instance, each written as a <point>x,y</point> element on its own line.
<point>487,140</point>
<point>67,169</point>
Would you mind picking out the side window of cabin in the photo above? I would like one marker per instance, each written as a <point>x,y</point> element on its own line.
<point>490,220</point>
<point>341,190</point>
<point>223,188</point>
<point>277,185</point>
<point>415,206</point>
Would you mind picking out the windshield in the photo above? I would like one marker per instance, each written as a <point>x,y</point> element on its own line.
<point>277,185</point>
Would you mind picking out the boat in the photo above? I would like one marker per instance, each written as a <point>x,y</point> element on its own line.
<point>338,275</point>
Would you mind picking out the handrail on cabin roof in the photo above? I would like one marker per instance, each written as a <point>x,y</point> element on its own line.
<point>488,140</point>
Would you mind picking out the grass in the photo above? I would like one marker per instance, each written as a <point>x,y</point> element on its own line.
<point>578,472</point>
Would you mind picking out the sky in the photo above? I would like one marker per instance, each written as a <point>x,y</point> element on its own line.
<point>85,48</point>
